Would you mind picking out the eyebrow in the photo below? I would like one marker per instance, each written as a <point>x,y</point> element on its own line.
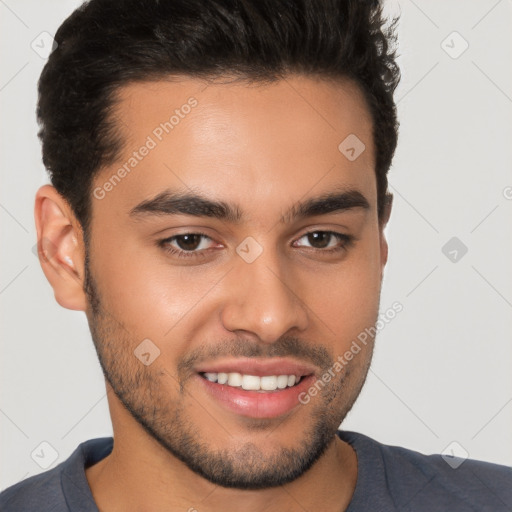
<point>197,205</point>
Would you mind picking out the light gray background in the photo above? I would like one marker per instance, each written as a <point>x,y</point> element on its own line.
<point>442,367</point>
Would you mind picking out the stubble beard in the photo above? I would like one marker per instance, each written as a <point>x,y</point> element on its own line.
<point>139,389</point>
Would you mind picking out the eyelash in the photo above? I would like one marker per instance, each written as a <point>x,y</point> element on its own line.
<point>346,240</point>
<point>180,253</point>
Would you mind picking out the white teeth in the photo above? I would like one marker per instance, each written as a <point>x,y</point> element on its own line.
<point>235,379</point>
<point>269,383</point>
<point>282,381</point>
<point>253,382</point>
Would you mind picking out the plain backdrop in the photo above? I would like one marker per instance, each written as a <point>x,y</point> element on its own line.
<point>441,377</point>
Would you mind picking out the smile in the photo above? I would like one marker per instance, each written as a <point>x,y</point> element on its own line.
<point>254,387</point>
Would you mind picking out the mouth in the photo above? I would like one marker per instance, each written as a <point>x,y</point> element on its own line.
<point>256,388</point>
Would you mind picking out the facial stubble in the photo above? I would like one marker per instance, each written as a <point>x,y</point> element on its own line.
<point>139,388</point>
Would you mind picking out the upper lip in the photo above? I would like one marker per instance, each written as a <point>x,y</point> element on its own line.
<point>258,367</point>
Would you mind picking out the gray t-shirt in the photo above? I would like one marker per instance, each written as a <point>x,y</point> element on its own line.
<point>389,478</point>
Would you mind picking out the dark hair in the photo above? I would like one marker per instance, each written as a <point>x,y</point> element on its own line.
<point>106,44</point>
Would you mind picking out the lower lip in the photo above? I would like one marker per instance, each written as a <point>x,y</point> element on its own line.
<point>256,404</point>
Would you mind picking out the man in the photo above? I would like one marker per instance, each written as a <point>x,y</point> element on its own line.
<point>217,208</point>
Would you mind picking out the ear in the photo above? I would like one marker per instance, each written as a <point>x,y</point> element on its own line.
<point>386,213</point>
<point>60,248</point>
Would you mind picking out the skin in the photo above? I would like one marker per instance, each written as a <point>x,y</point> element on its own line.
<point>263,148</point>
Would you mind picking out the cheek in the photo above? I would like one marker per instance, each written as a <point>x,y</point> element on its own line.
<point>151,297</point>
<point>347,299</point>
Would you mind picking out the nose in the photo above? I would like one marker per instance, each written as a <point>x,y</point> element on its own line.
<point>263,301</point>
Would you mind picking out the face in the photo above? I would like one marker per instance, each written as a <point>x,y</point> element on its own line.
<point>231,263</point>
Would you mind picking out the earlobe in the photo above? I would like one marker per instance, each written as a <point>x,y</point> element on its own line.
<point>60,247</point>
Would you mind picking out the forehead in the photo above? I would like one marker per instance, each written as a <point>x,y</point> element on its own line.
<point>257,143</point>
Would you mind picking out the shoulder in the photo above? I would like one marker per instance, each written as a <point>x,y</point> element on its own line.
<point>414,481</point>
<point>40,492</point>
<point>53,490</point>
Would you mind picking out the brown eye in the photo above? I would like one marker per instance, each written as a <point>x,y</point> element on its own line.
<point>319,239</point>
<point>326,241</point>
<point>189,242</point>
